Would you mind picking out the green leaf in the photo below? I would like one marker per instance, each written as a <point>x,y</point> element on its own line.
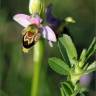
<point>91,68</point>
<point>89,71</point>
<point>66,41</point>
<point>59,66</point>
<point>82,94</point>
<point>86,66</point>
<point>82,57</point>
<point>91,49</point>
<point>63,53</point>
<point>62,92</point>
<point>65,90</point>
<point>76,89</point>
<point>69,85</point>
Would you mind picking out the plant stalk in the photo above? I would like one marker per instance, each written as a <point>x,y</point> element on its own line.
<point>37,61</point>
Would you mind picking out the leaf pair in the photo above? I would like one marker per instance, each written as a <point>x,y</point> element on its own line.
<point>60,66</point>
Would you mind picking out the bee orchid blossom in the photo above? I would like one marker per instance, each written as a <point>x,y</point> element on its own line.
<point>45,31</point>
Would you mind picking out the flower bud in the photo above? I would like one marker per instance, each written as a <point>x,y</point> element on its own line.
<point>70,20</point>
<point>85,80</point>
<point>36,6</point>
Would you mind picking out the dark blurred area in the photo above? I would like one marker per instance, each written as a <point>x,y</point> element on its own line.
<point>16,67</point>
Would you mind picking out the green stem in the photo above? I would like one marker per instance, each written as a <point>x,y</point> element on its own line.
<point>37,61</point>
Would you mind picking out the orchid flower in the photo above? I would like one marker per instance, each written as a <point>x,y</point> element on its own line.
<point>45,31</point>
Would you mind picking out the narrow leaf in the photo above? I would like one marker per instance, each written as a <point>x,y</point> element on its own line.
<point>62,92</point>
<point>70,86</point>
<point>91,68</point>
<point>75,93</point>
<point>76,89</point>
<point>59,66</point>
<point>86,66</point>
<point>65,90</point>
<point>91,49</point>
<point>66,41</point>
<point>89,71</point>
<point>82,57</point>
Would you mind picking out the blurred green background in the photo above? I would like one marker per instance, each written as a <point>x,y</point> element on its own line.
<point>16,67</point>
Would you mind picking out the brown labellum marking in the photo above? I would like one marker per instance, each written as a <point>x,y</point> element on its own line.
<point>28,41</point>
<point>37,37</point>
<point>29,37</point>
<point>30,34</point>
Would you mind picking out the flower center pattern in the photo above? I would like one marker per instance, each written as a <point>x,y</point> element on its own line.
<point>29,37</point>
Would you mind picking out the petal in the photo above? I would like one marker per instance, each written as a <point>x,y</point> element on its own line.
<point>50,18</point>
<point>23,19</point>
<point>49,34</point>
<point>50,43</point>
